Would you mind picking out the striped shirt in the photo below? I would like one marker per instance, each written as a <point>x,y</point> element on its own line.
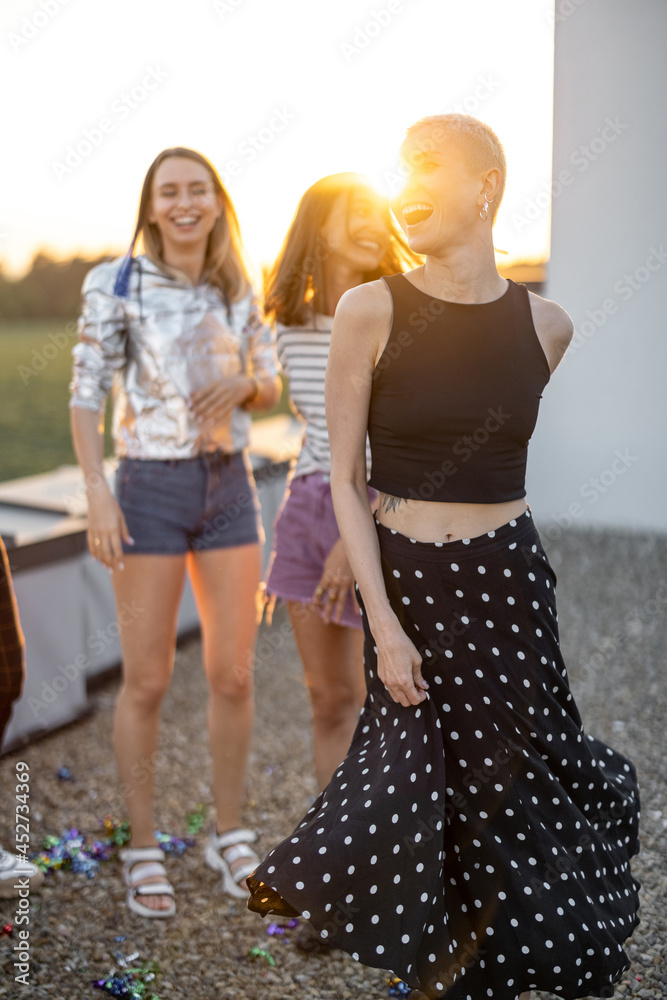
<point>303,352</point>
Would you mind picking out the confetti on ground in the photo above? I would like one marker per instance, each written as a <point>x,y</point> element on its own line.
<point>172,844</point>
<point>397,988</point>
<point>261,953</point>
<point>134,984</point>
<point>279,929</point>
<point>72,852</point>
<point>195,819</point>
<point>118,831</point>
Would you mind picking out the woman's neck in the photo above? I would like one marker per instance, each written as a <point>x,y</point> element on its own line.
<point>463,274</point>
<point>186,259</point>
<point>338,277</point>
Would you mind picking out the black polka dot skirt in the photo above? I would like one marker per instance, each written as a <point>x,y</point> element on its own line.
<point>479,844</point>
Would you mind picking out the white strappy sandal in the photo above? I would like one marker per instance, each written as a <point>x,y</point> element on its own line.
<point>140,863</point>
<point>234,843</point>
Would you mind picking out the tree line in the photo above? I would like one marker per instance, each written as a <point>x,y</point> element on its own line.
<point>50,289</point>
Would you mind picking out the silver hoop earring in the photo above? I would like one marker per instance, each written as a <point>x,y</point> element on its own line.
<point>484,210</point>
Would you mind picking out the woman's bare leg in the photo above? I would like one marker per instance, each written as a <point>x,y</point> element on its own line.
<point>225,583</point>
<point>151,587</point>
<point>332,657</point>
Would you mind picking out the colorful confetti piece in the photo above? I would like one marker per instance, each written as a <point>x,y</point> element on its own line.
<point>397,988</point>
<point>261,953</point>
<point>70,851</point>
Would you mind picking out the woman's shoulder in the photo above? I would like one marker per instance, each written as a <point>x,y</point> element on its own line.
<point>369,302</point>
<point>553,326</point>
<point>550,318</point>
<point>102,277</point>
<point>120,277</point>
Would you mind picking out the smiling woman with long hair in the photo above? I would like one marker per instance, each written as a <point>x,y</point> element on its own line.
<point>470,780</point>
<point>342,235</point>
<point>177,332</point>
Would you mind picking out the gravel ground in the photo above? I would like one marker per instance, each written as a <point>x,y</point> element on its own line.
<point>613,628</point>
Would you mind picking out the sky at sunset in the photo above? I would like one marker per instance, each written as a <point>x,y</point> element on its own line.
<point>275,94</point>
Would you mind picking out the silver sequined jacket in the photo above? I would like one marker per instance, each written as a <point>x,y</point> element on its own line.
<point>154,348</point>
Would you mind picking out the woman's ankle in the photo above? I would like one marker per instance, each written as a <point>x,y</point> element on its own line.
<point>137,843</point>
<point>227,827</point>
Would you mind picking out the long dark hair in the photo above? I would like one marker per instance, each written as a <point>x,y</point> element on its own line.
<point>295,283</point>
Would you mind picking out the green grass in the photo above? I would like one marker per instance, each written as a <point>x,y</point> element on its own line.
<point>35,371</point>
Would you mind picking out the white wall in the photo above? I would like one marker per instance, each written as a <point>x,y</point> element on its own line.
<point>609,217</point>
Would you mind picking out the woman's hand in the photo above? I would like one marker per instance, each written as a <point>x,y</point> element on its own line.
<point>336,582</point>
<point>213,404</point>
<point>106,528</point>
<point>399,667</point>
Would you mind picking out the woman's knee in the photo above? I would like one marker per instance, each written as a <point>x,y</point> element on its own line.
<point>231,681</point>
<point>332,705</point>
<point>146,691</point>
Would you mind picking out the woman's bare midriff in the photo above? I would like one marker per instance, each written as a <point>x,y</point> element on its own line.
<point>430,521</point>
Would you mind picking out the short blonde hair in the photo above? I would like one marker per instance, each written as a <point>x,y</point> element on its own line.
<point>478,142</point>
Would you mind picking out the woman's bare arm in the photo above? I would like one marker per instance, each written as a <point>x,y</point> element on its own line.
<point>360,331</point>
<point>553,327</point>
<point>105,518</point>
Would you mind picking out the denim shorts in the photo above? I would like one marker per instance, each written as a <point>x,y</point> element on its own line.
<point>181,505</point>
<point>304,534</point>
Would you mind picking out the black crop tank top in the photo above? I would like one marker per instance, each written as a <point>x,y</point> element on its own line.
<point>455,397</point>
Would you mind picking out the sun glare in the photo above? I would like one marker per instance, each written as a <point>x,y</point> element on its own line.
<point>327,92</point>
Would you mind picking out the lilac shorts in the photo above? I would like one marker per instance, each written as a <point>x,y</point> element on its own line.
<point>304,533</point>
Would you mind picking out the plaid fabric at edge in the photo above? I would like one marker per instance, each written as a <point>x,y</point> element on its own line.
<point>12,644</point>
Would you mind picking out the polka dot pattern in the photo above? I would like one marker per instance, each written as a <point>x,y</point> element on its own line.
<point>478,844</point>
